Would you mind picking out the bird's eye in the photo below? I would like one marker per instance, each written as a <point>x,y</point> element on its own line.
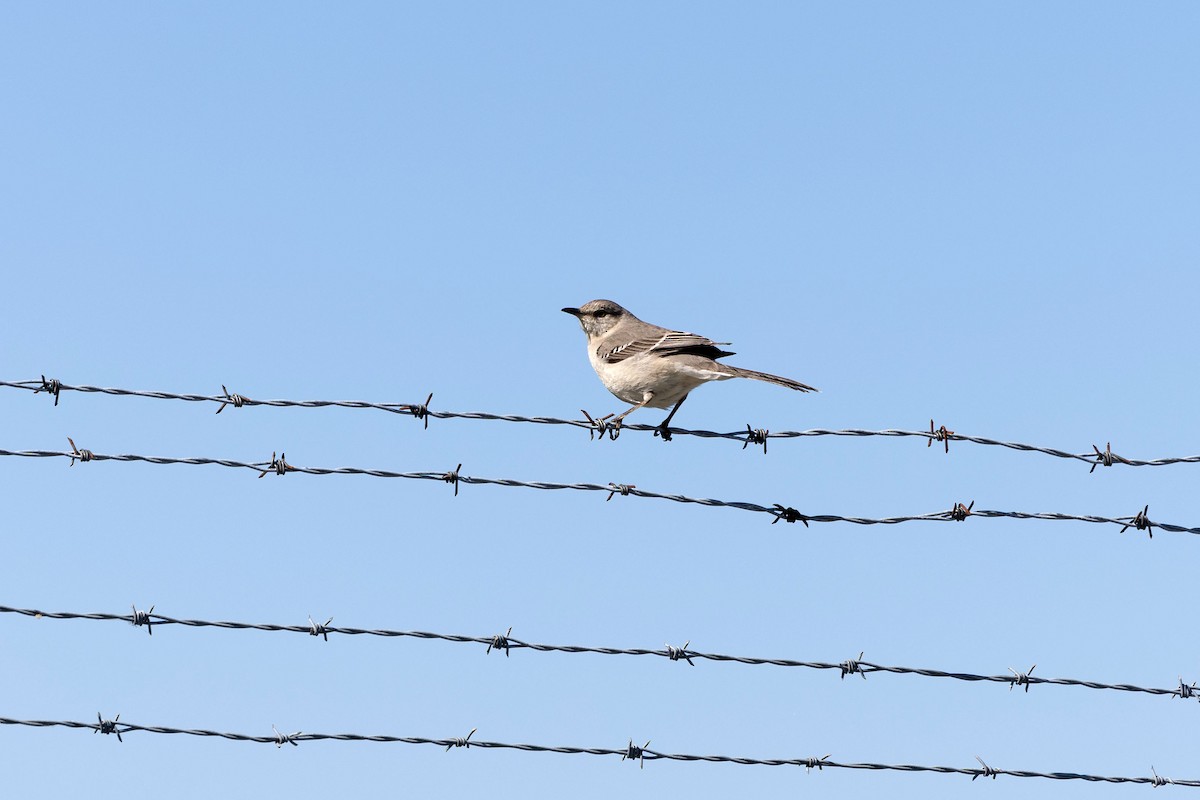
<point>602,313</point>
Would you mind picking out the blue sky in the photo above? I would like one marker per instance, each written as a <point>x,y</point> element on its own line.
<point>980,213</point>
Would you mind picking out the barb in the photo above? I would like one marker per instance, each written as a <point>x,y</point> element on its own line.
<point>84,456</point>
<point>676,653</point>
<point>635,753</point>
<point>422,412</point>
<point>987,771</point>
<point>939,435</point>
<point>1106,458</point>
<point>756,436</point>
<point>107,726</point>
<point>319,629</point>
<point>462,741</point>
<point>453,477</point>
<point>142,618</point>
<point>1156,781</point>
<point>507,643</point>
<point>286,738</point>
<point>499,642</point>
<point>281,467</point>
<point>1021,678</point>
<point>600,426</point>
<point>235,400</point>
<point>277,465</point>
<point>853,665</point>
<point>629,752</point>
<point>1141,522</point>
<point>53,386</point>
<point>809,763</point>
<point>622,489</point>
<point>787,514</point>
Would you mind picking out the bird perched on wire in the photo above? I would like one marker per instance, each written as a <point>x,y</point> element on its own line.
<point>651,366</point>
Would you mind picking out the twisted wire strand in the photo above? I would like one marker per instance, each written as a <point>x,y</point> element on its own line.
<point>630,751</point>
<point>281,467</point>
<point>140,618</point>
<point>422,411</point>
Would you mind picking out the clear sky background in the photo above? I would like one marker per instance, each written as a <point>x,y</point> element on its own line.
<point>980,213</point>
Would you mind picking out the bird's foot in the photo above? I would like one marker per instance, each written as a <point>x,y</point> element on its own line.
<point>603,425</point>
<point>663,431</point>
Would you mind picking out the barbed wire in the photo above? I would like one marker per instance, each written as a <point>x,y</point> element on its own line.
<point>755,436</point>
<point>630,751</point>
<point>279,465</point>
<point>507,643</point>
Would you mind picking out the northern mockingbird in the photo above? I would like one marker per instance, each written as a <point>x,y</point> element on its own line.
<point>651,366</point>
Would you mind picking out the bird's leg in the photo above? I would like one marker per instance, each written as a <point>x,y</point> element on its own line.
<point>615,422</point>
<point>662,430</point>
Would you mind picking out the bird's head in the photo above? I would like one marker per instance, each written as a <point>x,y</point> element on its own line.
<point>598,317</point>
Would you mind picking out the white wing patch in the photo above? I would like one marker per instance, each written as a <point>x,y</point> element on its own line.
<point>616,350</point>
<point>669,341</point>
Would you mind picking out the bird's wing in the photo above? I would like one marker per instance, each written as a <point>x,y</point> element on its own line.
<point>665,343</point>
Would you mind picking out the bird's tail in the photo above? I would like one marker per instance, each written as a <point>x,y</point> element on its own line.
<point>769,378</point>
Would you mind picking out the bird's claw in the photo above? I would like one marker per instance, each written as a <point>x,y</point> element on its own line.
<point>663,431</point>
<point>602,425</point>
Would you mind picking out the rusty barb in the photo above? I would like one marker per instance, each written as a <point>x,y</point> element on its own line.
<point>1106,458</point>
<point>278,465</point>
<point>1141,522</point>
<point>756,436</point>
<point>939,435</point>
<point>635,753</point>
<point>788,514</point>
<point>235,400</point>
<point>84,456</point>
<point>140,618</point>
<point>462,741</point>
<point>961,512</point>
<point>500,642</point>
<point>453,477</point>
<point>53,386</point>
<point>421,411</point>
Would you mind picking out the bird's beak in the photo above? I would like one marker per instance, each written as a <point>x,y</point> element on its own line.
<point>572,311</point>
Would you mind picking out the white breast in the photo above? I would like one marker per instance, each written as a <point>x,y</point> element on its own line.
<point>648,373</point>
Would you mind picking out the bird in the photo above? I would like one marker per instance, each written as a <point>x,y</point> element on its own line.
<point>647,365</point>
